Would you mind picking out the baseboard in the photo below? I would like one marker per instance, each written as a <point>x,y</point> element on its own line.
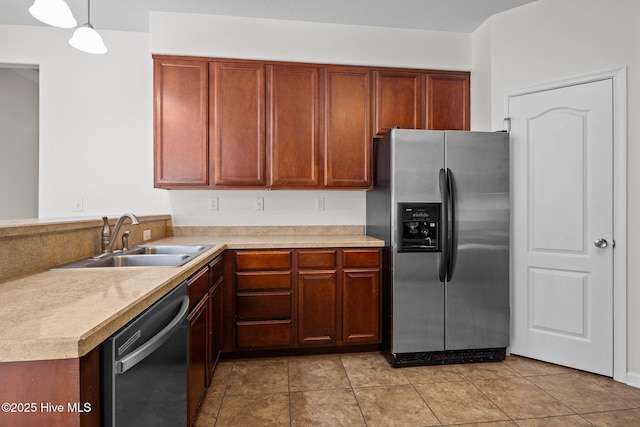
<point>633,379</point>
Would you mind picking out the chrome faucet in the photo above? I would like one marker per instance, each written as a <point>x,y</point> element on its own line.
<point>109,238</point>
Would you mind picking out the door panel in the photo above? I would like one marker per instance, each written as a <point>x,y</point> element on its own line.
<point>180,109</point>
<point>293,139</point>
<point>347,113</point>
<point>477,294</point>
<point>397,101</point>
<point>448,101</point>
<point>563,200</point>
<point>238,123</point>
<point>418,295</point>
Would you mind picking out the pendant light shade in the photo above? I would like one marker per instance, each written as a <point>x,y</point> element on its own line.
<point>86,39</point>
<point>53,12</point>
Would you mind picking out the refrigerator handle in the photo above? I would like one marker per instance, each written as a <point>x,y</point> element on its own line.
<point>451,224</point>
<point>444,226</point>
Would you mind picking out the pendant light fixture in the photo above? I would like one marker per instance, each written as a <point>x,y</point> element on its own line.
<point>86,39</point>
<point>53,12</point>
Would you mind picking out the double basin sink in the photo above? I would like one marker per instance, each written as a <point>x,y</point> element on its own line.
<point>143,256</point>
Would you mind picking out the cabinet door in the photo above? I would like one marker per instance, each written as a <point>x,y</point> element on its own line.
<point>215,327</point>
<point>293,126</point>
<point>197,378</point>
<point>180,123</point>
<point>448,101</point>
<point>347,113</point>
<point>361,306</point>
<point>317,307</point>
<point>397,101</point>
<point>237,124</point>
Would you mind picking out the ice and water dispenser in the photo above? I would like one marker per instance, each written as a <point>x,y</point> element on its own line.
<point>419,227</point>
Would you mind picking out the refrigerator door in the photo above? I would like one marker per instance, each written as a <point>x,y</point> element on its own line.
<point>417,293</point>
<point>477,293</point>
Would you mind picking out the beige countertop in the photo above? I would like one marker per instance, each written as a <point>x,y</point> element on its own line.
<point>60,314</point>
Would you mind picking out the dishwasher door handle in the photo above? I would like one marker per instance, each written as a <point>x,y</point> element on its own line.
<point>131,360</point>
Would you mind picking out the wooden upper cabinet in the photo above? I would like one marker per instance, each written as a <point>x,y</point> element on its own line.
<point>448,101</point>
<point>347,129</point>
<point>229,123</point>
<point>398,100</point>
<point>292,131</point>
<point>180,123</point>
<point>237,124</point>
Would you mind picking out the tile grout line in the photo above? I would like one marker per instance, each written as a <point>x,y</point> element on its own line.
<point>224,393</point>
<point>425,402</point>
<point>353,392</point>
<point>526,378</point>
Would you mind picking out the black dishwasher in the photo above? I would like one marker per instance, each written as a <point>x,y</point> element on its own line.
<point>144,367</point>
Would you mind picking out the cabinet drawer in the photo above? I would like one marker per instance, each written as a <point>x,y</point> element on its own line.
<point>263,260</point>
<point>361,258</point>
<point>263,280</point>
<point>317,259</point>
<point>198,286</point>
<point>255,306</point>
<point>276,333</point>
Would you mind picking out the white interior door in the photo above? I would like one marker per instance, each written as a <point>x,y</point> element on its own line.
<point>562,178</point>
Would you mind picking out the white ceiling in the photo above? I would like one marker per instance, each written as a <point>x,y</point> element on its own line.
<point>133,15</point>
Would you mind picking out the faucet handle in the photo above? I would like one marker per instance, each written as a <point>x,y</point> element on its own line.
<point>106,233</point>
<point>125,241</point>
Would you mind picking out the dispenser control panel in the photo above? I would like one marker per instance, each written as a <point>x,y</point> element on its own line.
<point>419,227</point>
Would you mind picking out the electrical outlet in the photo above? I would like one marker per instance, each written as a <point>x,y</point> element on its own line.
<point>78,205</point>
<point>258,203</point>
<point>146,235</point>
<point>213,203</point>
<point>319,203</point>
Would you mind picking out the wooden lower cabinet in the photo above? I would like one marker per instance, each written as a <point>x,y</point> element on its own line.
<point>317,307</point>
<point>215,327</point>
<point>197,377</point>
<point>205,332</point>
<point>321,297</point>
<point>263,299</point>
<point>361,306</point>
<point>216,317</point>
<point>33,389</point>
<point>198,339</point>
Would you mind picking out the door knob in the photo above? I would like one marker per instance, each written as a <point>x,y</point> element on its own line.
<point>601,243</point>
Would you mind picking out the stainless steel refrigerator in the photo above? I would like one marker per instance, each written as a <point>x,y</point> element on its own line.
<point>440,202</point>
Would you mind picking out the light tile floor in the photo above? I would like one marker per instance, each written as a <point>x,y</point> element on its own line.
<point>362,389</point>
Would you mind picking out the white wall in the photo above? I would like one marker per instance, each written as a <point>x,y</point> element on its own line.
<point>253,38</point>
<point>96,134</point>
<point>550,40</point>
<point>18,143</point>
<point>249,38</point>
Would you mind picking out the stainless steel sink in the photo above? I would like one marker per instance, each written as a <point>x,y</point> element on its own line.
<point>140,261</point>
<point>168,249</point>
<point>143,256</point>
